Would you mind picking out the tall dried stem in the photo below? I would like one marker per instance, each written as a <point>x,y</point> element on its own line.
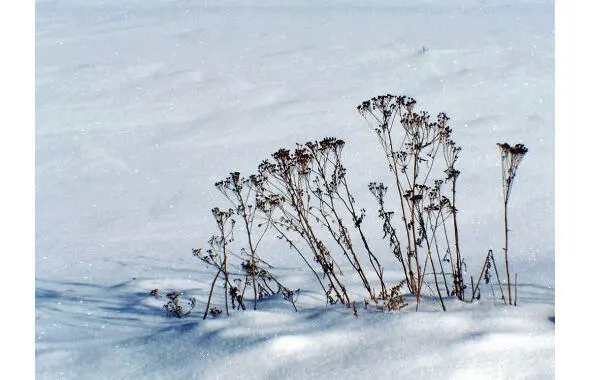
<point>511,157</point>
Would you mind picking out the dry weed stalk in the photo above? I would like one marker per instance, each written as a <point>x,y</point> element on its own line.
<point>511,157</point>
<point>489,263</point>
<point>217,254</point>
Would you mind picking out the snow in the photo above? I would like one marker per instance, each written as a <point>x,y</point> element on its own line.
<point>142,105</point>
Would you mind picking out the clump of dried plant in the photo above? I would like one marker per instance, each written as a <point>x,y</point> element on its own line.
<point>244,269</point>
<point>303,197</point>
<point>422,157</point>
<point>305,194</point>
<point>174,306</point>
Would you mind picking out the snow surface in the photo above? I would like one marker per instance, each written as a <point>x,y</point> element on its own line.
<point>142,105</point>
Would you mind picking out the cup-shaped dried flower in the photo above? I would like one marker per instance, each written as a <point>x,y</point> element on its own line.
<point>511,157</point>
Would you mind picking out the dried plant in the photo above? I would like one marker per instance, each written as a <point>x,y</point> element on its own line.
<point>394,300</point>
<point>284,195</point>
<point>217,254</point>
<point>417,149</point>
<point>303,196</point>
<point>305,192</point>
<point>173,306</point>
<point>511,157</point>
<point>489,263</point>
<point>238,191</point>
<point>251,272</point>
